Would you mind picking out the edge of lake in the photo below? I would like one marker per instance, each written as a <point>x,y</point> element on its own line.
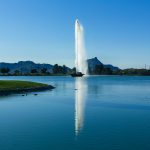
<point>8,87</point>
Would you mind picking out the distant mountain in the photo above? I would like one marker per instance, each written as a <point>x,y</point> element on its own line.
<point>25,66</point>
<point>93,62</point>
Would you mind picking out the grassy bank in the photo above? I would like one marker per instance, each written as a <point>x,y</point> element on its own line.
<point>13,86</point>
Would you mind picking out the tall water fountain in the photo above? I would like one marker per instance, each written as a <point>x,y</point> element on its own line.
<point>80,51</point>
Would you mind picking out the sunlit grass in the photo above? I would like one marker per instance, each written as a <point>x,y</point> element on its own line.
<point>13,84</point>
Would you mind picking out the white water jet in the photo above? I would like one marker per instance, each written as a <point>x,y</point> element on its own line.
<point>80,51</point>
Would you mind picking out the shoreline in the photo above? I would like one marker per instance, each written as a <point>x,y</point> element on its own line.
<point>70,75</point>
<point>8,87</point>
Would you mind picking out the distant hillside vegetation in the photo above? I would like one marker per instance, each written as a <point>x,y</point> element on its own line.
<point>95,67</point>
<point>31,68</point>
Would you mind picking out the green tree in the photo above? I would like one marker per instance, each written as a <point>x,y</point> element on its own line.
<point>64,69</point>
<point>16,72</point>
<point>4,70</point>
<point>34,71</point>
<point>44,70</point>
<point>55,69</point>
<point>59,69</point>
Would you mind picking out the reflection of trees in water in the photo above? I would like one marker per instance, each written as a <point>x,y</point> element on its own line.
<point>80,97</point>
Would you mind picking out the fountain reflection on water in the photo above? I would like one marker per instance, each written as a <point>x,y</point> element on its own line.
<point>80,101</point>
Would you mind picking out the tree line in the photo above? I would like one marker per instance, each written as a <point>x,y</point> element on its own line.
<point>63,70</point>
<point>43,71</point>
<point>100,70</point>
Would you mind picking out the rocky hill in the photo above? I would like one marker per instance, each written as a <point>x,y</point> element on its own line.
<point>93,62</point>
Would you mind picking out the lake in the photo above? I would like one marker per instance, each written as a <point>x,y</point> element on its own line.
<point>90,113</point>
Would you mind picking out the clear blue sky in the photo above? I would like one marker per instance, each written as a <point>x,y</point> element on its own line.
<point>116,31</point>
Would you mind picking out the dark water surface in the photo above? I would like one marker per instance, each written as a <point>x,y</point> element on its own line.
<point>92,113</point>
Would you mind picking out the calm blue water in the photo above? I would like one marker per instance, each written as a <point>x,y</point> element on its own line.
<point>93,113</point>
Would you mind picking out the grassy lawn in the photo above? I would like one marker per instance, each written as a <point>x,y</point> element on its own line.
<point>14,84</point>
